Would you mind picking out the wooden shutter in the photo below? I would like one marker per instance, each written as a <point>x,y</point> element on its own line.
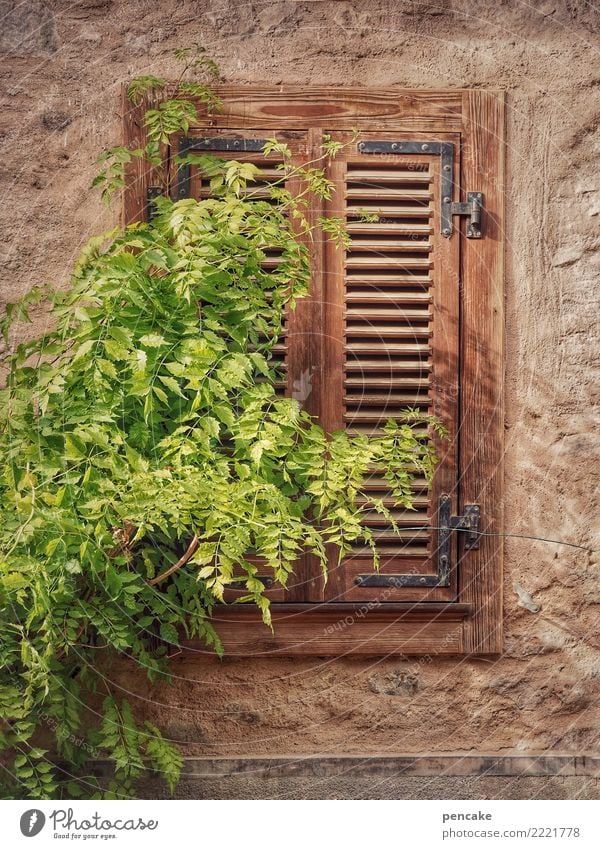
<point>392,339</point>
<point>409,316</point>
<point>293,354</point>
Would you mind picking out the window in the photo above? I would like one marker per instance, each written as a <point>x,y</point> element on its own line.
<point>409,315</point>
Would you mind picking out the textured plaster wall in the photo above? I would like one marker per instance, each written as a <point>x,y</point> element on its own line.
<point>62,64</point>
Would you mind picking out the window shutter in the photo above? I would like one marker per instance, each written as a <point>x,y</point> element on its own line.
<point>410,315</point>
<point>293,355</point>
<point>392,343</point>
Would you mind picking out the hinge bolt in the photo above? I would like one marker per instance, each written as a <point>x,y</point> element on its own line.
<point>424,147</point>
<point>446,168</point>
<point>446,231</point>
<point>446,200</point>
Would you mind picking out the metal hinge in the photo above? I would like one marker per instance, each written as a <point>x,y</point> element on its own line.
<point>468,524</point>
<point>445,150</point>
<point>151,195</point>
<point>472,208</point>
<point>208,143</point>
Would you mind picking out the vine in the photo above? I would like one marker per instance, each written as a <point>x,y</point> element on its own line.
<point>145,451</point>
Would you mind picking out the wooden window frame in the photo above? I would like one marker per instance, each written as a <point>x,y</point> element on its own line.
<point>473,623</point>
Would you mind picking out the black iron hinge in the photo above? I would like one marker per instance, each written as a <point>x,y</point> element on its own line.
<point>472,208</point>
<point>217,144</point>
<point>186,144</point>
<point>467,524</point>
<point>448,208</point>
<point>152,193</point>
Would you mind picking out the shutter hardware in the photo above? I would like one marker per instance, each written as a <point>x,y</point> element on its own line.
<point>151,195</point>
<point>445,150</point>
<point>446,523</point>
<point>472,208</point>
<point>184,172</point>
<point>223,145</point>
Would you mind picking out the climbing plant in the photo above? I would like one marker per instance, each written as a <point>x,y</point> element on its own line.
<point>145,451</point>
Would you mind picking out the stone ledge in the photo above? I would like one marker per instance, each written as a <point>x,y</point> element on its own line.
<point>429,765</point>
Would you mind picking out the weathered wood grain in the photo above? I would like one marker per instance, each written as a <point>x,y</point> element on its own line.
<point>482,367</point>
<point>336,107</point>
<point>341,629</point>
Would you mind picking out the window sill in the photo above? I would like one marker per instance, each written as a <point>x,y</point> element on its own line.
<point>340,629</point>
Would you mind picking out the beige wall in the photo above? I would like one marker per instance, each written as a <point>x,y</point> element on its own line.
<point>62,63</point>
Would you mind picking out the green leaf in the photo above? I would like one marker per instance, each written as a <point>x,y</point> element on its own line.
<point>171,384</point>
<point>169,633</point>
<point>152,340</point>
<point>74,447</point>
<point>120,334</point>
<point>84,349</point>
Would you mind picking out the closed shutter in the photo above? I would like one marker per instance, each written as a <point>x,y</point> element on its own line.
<point>391,344</point>
<point>292,355</point>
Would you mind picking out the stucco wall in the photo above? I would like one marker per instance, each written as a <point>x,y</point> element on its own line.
<point>62,63</point>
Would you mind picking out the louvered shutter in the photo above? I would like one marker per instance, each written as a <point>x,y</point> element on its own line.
<point>391,343</point>
<point>292,355</point>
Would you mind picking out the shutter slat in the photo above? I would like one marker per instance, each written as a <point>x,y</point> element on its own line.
<point>392,398</point>
<point>370,297</point>
<point>387,364</point>
<point>385,227</point>
<point>387,245</point>
<point>391,536</point>
<point>391,381</point>
<point>396,280</point>
<point>391,348</point>
<point>388,551</point>
<point>383,177</point>
<point>395,194</point>
<point>370,208</point>
<point>372,313</point>
<point>376,328</point>
<point>388,262</point>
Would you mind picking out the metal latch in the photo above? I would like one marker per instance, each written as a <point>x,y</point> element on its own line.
<point>469,523</point>
<point>472,208</point>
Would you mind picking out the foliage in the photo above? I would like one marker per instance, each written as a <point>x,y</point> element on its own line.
<point>145,451</point>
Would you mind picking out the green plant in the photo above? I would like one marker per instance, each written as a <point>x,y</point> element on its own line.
<point>145,452</point>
